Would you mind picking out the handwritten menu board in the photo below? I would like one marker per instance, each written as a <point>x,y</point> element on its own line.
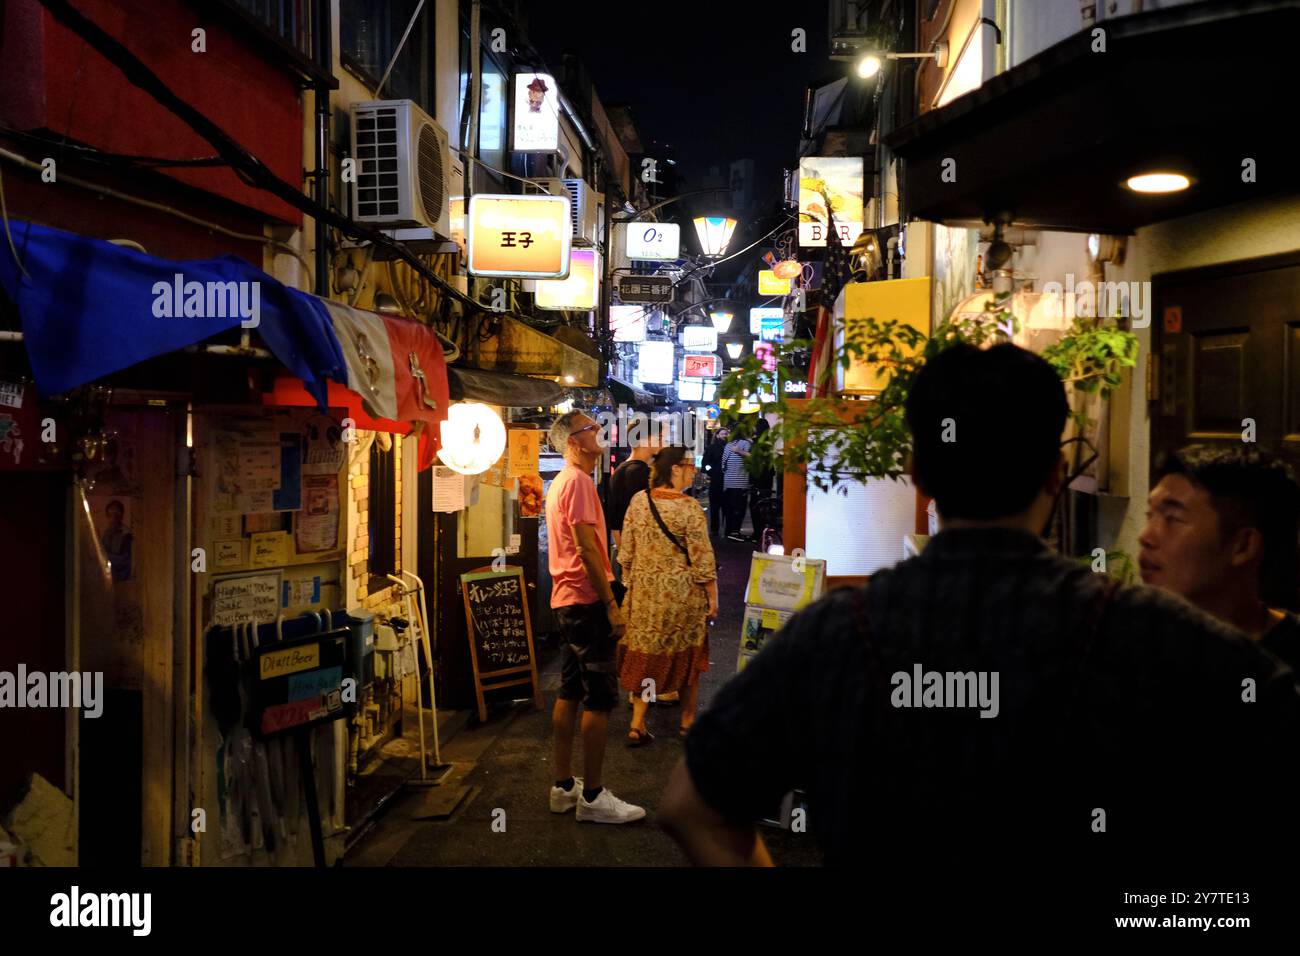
<point>500,633</point>
<point>244,598</point>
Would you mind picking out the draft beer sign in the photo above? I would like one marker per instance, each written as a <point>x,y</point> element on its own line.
<point>526,237</point>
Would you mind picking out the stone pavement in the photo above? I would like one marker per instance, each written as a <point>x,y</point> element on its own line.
<point>506,764</point>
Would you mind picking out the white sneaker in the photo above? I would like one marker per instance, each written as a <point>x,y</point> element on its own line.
<point>562,801</point>
<point>608,808</point>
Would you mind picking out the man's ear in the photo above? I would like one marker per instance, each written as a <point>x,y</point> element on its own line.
<point>1247,547</point>
<point>1056,477</point>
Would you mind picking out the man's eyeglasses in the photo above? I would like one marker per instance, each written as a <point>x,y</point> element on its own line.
<point>584,428</point>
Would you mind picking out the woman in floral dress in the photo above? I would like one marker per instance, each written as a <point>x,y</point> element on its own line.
<point>672,591</point>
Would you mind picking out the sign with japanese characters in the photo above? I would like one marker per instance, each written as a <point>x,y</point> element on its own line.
<point>645,289</point>
<point>700,338</point>
<point>519,236</point>
<point>700,366</point>
<point>537,113</point>
<point>653,241</point>
<point>500,633</point>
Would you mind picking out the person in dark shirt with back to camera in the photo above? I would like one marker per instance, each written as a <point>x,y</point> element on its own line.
<point>990,701</point>
<point>1221,531</point>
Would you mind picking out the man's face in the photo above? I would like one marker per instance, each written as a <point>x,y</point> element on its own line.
<point>585,433</point>
<point>1182,548</point>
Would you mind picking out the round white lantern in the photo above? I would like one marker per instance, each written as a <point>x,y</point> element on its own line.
<point>473,438</point>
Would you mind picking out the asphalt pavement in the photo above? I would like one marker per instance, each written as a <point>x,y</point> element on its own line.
<point>504,769</point>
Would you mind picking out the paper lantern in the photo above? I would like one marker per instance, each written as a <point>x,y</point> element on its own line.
<point>473,438</point>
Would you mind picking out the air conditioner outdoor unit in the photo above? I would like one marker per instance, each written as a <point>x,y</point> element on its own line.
<point>582,209</point>
<point>582,205</point>
<point>545,187</point>
<point>404,167</point>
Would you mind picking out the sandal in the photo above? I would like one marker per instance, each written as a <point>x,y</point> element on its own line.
<point>639,738</point>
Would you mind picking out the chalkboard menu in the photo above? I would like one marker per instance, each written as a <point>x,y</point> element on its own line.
<point>500,633</point>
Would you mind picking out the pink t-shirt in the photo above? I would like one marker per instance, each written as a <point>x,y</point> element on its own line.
<point>572,500</point>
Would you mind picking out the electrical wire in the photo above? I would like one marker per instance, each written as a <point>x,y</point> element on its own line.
<point>141,76</point>
<point>109,158</point>
<point>161,207</point>
<point>4,213</point>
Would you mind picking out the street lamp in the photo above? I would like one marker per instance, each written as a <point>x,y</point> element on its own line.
<point>721,321</point>
<point>734,349</point>
<point>714,232</point>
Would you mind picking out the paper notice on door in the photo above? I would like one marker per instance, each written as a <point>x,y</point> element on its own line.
<point>317,524</point>
<point>269,550</point>
<point>448,489</point>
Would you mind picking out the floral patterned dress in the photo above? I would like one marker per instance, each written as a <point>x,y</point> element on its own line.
<point>666,605</point>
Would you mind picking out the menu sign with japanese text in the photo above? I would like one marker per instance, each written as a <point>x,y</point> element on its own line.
<point>500,634</point>
<point>519,236</point>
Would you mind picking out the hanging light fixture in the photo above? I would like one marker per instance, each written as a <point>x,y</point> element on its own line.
<point>714,233</point>
<point>734,349</point>
<point>721,321</point>
<point>473,438</point>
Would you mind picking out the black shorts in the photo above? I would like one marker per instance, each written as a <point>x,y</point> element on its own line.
<point>588,659</point>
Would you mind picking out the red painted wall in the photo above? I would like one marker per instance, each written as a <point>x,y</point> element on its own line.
<point>54,81</point>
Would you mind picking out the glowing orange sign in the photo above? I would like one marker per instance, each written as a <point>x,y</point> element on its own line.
<point>521,236</point>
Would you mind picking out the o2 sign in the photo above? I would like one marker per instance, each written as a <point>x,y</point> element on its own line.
<point>653,241</point>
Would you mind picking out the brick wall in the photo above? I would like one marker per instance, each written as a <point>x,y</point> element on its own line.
<point>359,547</point>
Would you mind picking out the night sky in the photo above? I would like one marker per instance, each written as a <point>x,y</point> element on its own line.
<point>716,79</point>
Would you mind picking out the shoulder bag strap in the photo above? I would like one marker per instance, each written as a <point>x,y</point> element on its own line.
<point>650,498</point>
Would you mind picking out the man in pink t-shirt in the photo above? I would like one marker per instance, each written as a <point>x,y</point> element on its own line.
<point>590,623</point>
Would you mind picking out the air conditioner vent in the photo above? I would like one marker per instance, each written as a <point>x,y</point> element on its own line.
<point>403,167</point>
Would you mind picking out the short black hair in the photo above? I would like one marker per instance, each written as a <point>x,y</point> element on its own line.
<point>1249,488</point>
<point>986,429</point>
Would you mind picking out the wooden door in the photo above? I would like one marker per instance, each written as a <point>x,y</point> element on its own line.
<point>1228,342</point>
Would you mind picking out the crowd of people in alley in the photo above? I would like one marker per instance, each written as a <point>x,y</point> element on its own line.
<point>1155,718</point>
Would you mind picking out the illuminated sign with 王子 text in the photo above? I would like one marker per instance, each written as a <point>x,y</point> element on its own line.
<point>519,236</point>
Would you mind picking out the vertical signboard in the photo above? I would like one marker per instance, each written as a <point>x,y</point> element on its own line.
<point>839,179</point>
<point>537,114</point>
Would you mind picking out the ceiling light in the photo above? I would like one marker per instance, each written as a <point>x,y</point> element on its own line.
<point>1158,183</point>
<point>868,66</point>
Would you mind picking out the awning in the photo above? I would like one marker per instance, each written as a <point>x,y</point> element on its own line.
<point>628,394</point>
<point>502,388</point>
<point>519,348</point>
<point>1196,88</point>
<point>89,308</point>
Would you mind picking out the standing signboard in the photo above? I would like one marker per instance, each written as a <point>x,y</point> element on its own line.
<point>500,633</point>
